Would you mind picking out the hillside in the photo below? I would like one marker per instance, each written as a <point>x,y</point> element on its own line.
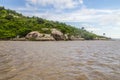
<point>13,24</point>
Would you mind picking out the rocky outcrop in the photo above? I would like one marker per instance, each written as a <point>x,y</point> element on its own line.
<point>35,35</point>
<point>55,35</point>
<point>58,35</point>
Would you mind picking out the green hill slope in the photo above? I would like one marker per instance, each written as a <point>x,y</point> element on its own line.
<point>13,24</point>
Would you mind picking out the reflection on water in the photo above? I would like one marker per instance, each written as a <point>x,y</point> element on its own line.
<point>77,60</point>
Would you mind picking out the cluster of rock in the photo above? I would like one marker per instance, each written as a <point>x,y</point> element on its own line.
<point>55,35</point>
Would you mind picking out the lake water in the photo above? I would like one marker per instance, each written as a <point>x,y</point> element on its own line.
<point>62,60</point>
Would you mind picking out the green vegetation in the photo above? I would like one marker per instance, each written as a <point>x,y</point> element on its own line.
<point>13,24</point>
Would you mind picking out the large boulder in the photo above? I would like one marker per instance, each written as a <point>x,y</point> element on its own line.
<point>71,37</point>
<point>58,35</point>
<point>66,36</point>
<point>34,35</point>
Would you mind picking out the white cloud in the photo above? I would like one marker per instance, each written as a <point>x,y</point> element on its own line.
<point>101,17</point>
<point>81,1</point>
<point>58,4</point>
<point>110,19</point>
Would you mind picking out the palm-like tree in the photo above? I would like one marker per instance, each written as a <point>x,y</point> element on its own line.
<point>83,28</point>
<point>104,34</point>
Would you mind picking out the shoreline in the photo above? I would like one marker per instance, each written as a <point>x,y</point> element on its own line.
<point>60,40</point>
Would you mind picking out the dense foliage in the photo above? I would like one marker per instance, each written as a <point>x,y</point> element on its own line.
<point>13,24</point>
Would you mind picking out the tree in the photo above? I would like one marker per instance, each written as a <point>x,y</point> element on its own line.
<point>40,20</point>
<point>83,28</point>
<point>104,34</point>
<point>9,17</point>
<point>2,8</point>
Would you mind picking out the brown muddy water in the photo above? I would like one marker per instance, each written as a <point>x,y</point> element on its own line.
<point>72,60</point>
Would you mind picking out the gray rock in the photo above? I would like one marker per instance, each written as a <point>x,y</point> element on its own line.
<point>66,36</point>
<point>35,35</point>
<point>46,37</point>
<point>58,35</point>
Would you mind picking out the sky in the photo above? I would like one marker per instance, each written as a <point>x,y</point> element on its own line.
<point>97,16</point>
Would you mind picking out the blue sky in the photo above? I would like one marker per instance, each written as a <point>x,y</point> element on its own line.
<point>98,16</point>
